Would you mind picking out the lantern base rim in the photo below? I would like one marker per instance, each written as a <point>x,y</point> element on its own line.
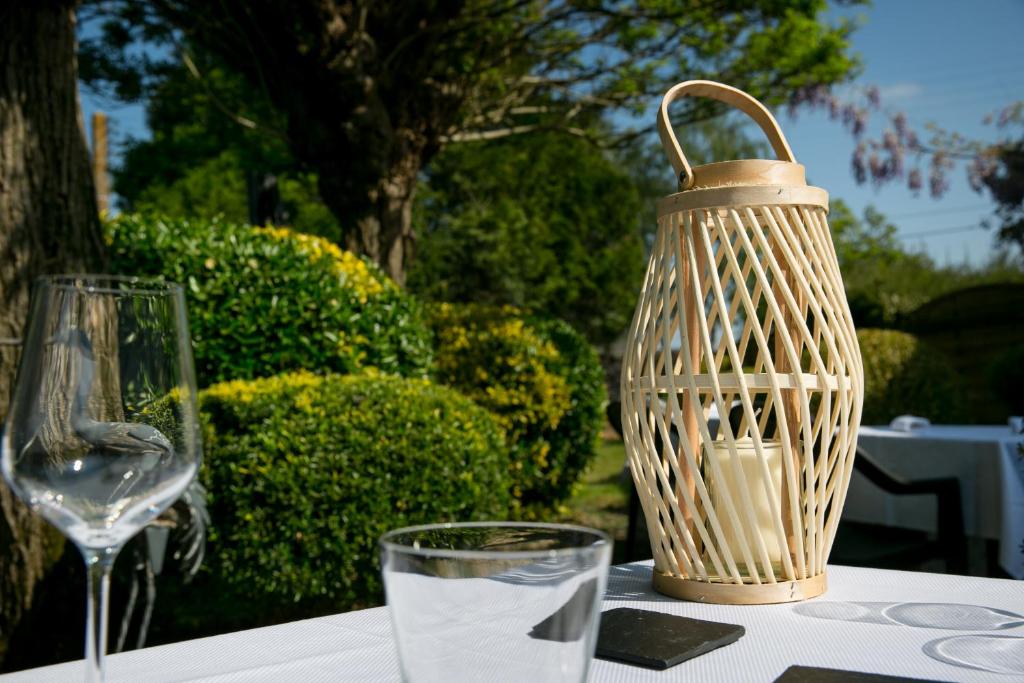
<point>719,592</point>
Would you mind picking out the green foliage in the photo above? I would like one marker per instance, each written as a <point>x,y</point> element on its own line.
<point>868,238</point>
<point>1006,378</point>
<point>192,120</point>
<point>266,300</point>
<point>474,70</point>
<point>981,330</point>
<point>306,472</point>
<point>574,441</point>
<point>216,188</point>
<point>541,381</point>
<point>905,376</point>
<point>212,188</point>
<point>1006,184</point>
<point>195,163</point>
<point>544,222</point>
<point>885,282</point>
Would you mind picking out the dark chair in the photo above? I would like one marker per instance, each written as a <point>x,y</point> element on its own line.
<point>614,414</point>
<point>890,548</point>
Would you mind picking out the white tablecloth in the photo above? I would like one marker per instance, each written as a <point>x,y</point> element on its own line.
<point>869,620</point>
<point>985,459</point>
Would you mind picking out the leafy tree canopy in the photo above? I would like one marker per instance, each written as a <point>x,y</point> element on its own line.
<point>884,280</point>
<point>551,223</point>
<point>212,141</point>
<point>1004,179</point>
<point>368,93</point>
<point>544,222</point>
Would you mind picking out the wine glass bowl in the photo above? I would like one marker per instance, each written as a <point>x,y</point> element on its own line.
<point>102,433</point>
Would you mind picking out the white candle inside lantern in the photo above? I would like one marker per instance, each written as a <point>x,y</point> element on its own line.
<point>748,493</point>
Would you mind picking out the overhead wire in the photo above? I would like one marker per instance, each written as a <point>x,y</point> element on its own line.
<point>940,231</point>
<point>937,212</point>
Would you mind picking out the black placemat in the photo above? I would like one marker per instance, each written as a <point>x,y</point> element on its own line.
<point>658,641</point>
<point>813,674</point>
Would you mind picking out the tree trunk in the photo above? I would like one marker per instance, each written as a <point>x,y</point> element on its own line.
<point>377,225</point>
<point>48,224</point>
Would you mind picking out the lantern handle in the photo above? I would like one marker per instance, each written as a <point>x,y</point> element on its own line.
<point>723,93</point>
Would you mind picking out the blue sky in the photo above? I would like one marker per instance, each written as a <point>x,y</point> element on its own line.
<point>947,62</point>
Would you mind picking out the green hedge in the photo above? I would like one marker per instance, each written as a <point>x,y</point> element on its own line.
<point>306,472</point>
<point>1006,377</point>
<point>268,300</point>
<point>905,376</point>
<point>574,442</point>
<point>541,380</point>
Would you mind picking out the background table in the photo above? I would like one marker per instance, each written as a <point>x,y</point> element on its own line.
<point>984,459</point>
<point>357,646</point>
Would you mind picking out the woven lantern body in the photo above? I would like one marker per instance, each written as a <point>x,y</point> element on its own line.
<point>742,381</point>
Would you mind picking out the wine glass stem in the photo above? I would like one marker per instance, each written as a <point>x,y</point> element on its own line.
<point>98,563</point>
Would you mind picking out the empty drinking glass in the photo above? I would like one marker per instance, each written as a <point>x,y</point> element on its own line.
<point>495,601</point>
<point>102,434</point>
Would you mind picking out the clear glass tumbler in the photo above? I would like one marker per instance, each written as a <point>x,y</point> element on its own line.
<point>495,601</point>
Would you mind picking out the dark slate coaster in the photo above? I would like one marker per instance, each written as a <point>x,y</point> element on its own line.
<point>811,674</point>
<point>569,620</point>
<point>659,641</point>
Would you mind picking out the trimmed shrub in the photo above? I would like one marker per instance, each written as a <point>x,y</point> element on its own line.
<point>267,300</point>
<point>905,376</point>
<point>540,379</point>
<point>306,472</point>
<point>574,441</point>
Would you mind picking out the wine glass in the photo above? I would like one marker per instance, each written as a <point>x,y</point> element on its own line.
<point>102,433</point>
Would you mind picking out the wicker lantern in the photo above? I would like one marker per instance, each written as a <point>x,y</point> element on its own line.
<point>742,381</point>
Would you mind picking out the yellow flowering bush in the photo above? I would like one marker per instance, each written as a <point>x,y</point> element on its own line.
<point>267,300</point>
<point>541,381</point>
<point>305,472</point>
<point>349,268</point>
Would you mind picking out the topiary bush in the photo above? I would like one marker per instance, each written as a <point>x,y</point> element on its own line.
<point>267,300</point>
<point>306,472</point>
<point>904,376</point>
<point>541,380</point>
<point>574,441</point>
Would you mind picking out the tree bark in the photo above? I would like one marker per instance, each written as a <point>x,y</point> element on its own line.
<point>367,90</point>
<point>382,226</point>
<point>48,223</point>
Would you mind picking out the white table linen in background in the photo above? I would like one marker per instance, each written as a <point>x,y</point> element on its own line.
<point>986,461</point>
<point>875,635</point>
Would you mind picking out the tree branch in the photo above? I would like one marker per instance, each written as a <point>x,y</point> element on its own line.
<point>243,121</point>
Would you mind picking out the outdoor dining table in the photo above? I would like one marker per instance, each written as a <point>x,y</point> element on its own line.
<point>931,626</point>
<point>985,459</point>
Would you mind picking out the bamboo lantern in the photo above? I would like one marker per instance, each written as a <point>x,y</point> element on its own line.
<point>743,314</point>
